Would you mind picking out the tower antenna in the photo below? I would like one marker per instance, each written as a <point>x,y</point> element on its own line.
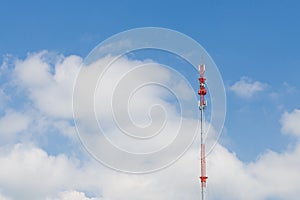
<point>202,104</point>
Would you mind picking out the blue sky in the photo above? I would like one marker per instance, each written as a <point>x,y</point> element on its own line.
<point>250,41</point>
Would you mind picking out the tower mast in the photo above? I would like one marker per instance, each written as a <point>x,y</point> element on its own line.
<point>202,105</point>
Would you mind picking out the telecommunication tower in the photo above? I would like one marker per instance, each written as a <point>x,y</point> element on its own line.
<point>202,104</point>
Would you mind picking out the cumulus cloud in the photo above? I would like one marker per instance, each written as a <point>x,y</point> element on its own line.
<point>12,123</point>
<point>130,97</point>
<point>247,88</point>
<point>290,123</point>
<point>273,175</point>
<point>49,87</point>
<point>29,172</point>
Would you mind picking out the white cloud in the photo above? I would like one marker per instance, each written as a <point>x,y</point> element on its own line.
<point>272,175</point>
<point>247,88</point>
<point>71,195</point>
<point>121,82</point>
<point>290,122</point>
<point>12,123</point>
<point>28,172</point>
<point>50,92</point>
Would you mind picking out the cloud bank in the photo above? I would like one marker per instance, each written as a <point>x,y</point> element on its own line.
<point>30,171</point>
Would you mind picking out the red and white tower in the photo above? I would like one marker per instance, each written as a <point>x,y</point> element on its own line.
<point>202,105</point>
